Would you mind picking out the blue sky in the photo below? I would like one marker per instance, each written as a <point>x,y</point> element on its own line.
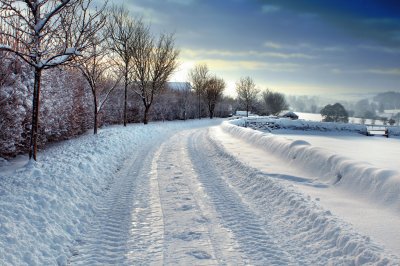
<point>292,46</point>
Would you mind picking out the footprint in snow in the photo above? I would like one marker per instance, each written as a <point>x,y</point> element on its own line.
<point>171,189</point>
<point>199,254</point>
<point>188,236</point>
<point>201,220</point>
<point>185,207</point>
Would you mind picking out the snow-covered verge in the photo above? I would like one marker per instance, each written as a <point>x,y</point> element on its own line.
<point>44,206</point>
<point>273,123</point>
<point>378,185</point>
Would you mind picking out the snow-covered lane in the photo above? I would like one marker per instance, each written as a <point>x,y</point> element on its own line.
<point>127,227</point>
<point>257,240</point>
<point>168,194</point>
<point>186,201</point>
<point>193,234</point>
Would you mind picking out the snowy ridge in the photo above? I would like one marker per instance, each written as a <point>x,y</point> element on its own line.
<point>378,185</point>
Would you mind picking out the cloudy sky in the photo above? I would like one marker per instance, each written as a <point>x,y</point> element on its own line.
<point>314,47</point>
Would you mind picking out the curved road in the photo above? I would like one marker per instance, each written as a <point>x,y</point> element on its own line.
<point>185,200</point>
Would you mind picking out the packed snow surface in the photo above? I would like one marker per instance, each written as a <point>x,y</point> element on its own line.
<point>174,194</point>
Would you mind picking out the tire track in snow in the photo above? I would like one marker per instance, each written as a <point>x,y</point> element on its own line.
<point>298,225</point>
<point>193,234</point>
<point>255,238</point>
<point>127,227</point>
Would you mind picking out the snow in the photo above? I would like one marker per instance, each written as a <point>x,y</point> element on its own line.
<point>177,193</point>
<point>353,120</point>
<point>59,59</point>
<point>5,47</point>
<point>381,185</point>
<point>359,184</point>
<point>44,206</point>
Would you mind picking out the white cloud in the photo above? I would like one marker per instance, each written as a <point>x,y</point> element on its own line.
<point>273,45</point>
<point>377,48</point>
<point>251,53</point>
<point>270,9</point>
<point>385,71</point>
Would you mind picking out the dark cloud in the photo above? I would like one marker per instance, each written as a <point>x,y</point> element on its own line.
<point>372,20</point>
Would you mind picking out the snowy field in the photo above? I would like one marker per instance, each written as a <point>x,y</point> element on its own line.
<point>354,120</point>
<point>202,193</point>
<point>376,150</point>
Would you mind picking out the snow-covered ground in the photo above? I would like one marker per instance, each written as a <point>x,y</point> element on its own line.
<point>353,120</point>
<point>355,176</point>
<point>195,192</point>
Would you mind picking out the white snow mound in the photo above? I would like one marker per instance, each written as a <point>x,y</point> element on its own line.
<point>378,185</point>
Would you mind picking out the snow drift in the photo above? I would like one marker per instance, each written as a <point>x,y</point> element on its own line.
<point>378,185</point>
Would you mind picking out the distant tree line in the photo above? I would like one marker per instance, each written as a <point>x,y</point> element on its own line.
<point>372,109</point>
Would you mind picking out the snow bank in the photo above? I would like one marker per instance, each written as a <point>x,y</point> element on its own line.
<point>332,241</point>
<point>44,206</point>
<point>378,185</point>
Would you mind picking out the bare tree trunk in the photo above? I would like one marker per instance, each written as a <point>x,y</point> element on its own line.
<point>211,110</point>
<point>95,115</point>
<point>199,106</point>
<point>126,95</point>
<point>145,118</point>
<point>35,114</point>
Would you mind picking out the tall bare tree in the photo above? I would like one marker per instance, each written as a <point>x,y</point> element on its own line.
<point>97,69</point>
<point>153,63</point>
<point>121,29</point>
<point>46,34</point>
<point>213,92</point>
<point>247,92</point>
<point>199,76</point>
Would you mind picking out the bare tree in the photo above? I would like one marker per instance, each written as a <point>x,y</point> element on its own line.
<point>153,63</point>
<point>213,92</point>
<point>120,29</point>
<point>198,77</point>
<point>247,92</point>
<point>96,68</point>
<point>275,102</point>
<point>46,34</point>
